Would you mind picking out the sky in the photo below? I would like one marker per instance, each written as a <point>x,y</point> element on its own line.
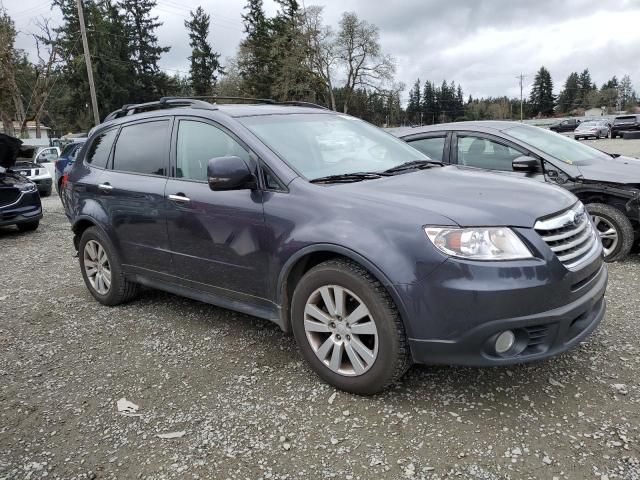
<point>482,45</point>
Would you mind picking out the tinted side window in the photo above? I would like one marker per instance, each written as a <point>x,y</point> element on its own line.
<point>142,148</point>
<point>98,153</point>
<point>431,147</point>
<point>197,143</point>
<point>484,153</point>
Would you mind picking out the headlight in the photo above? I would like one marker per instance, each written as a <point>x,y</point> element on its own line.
<point>498,243</point>
<point>29,187</point>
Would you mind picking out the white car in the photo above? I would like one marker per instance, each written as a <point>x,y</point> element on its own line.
<point>36,164</point>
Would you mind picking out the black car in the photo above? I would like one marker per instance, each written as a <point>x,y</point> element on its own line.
<point>568,125</point>
<point>608,185</point>
<point>625,123</point>
<point>19,198</point>
<point>372,254</point>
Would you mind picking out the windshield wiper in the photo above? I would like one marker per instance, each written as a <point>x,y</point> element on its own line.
<point>347,177</point>
<point>413,165</point>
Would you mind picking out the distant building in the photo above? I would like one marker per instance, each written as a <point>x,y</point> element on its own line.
<point>594,112</point>
<point>30,138</point>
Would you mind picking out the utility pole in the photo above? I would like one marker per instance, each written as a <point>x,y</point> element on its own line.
<point>87,60</point>
<point>521,77</point>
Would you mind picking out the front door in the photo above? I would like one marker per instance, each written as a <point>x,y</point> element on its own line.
<point>481,151</point>
<point>216,238</point>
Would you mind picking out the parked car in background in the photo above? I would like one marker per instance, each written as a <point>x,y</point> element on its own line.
<point>568,125</point>
<point>65,161</point>
<point>371,253</point>
<point>608,185</point>
<point>19,199</point>
<point>624,123</point>
<point>27,166</point>
<point>592,129</point>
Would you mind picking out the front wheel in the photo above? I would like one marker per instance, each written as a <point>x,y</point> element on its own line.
<point>615,230</point>
<point>348,328</point>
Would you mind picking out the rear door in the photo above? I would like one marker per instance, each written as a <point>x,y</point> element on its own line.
<point>435,145</point>
<point>133,194</point>
<point>488,152</point>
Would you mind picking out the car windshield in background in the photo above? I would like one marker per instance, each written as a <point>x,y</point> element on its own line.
<point>563,148</point>
<point>321,145</point>
<point>588,124</point>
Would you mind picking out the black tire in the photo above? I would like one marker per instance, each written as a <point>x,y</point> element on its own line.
<point>393,356</point>
<point>619,221</point>
<point>28,226</point>
<point>46,193</point>
<point>121,290</point>
<point>613,135</point>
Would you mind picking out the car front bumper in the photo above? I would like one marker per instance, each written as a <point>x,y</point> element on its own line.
<point>27,208</point>
<point>458,312</point>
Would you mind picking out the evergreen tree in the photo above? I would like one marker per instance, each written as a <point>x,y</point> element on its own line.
<point>204,61</point>
<point>585,87</point>
<point>569,94</point>
<point>140,29</point>
<point>254,58</point>
<point>429,114</point>
<point>542,98</point>
<point>414,103</point>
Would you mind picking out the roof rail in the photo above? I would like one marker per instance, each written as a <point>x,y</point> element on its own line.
<point>298,103</point>
<point>222,97</point>
<point>164,102</point>
<point>197,102</point>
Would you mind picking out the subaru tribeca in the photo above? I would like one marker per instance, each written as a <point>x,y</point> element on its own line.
<point>371,253</point>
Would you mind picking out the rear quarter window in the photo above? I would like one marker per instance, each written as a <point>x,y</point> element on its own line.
<point>99,150</point>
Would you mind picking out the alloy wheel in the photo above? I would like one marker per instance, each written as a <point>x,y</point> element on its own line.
<point>96,266</point>
<point>607,232</point>
<point>341,330</point>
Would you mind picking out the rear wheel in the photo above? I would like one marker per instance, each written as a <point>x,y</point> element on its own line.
<point>615,230</point>
<point>348,328</point>
<point>102,270</point>
<point>28,226</point>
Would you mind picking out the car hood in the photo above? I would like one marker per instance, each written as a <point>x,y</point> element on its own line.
<point>11,179</point>
<point>624,170</point>
<point>466,196</point>
<point>9,150</point>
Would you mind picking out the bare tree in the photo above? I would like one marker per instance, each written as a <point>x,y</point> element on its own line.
<point>358,47</point>
<point>45,71</point>
<point>322,51</point>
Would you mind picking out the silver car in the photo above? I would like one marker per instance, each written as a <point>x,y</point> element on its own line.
<point>592,128</point>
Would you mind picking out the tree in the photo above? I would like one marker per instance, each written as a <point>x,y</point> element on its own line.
<point>429,107</point>
<point>204,67</point>
<point>414,104</point>
<point>569,94</point>
<point>626,93</point>
<point>140,29</point>
<point>358,46</point>
<point>11,105</point>
<point>254,56</point>
<point>585,86</point>
<point>542,98</point>
<point>321,50</point>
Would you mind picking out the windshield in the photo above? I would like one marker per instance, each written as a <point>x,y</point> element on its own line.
<point>558,146</point>
<point>320,145</point>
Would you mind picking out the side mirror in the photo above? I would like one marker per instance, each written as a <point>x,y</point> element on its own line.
<point>229,173</point>
<point>525,164</point>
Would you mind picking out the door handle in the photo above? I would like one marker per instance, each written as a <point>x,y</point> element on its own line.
<point>105,187</point>
<point>179,198</point>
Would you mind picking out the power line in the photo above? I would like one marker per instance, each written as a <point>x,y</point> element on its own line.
<point>521,77</point>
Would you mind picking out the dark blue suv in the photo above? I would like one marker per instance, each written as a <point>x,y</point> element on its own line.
<point>372,254</point>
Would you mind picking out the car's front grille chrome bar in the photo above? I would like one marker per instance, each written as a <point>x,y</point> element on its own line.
<point>570,235</point>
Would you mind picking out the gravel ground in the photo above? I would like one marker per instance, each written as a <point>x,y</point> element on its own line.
<point>617,145</point>
<point>249,407</point>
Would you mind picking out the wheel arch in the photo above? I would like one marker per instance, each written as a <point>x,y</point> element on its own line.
<point>305,259</point>
<point>82,223</point>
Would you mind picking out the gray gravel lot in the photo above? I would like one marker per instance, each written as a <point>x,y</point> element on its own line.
<point>250,408</point>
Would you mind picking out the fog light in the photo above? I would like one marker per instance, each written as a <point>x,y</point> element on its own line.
<point>505,341</point>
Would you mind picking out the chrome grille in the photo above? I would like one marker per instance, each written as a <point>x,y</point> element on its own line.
<point>570,235</point>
